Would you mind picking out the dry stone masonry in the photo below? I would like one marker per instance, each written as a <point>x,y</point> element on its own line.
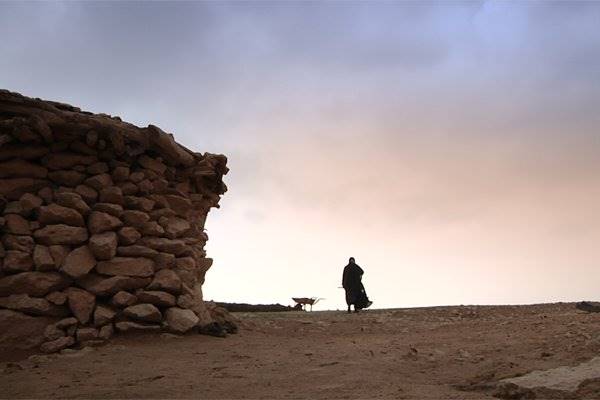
<point>102,227</point>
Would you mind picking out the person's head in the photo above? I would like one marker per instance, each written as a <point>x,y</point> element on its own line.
<point>351,260</point>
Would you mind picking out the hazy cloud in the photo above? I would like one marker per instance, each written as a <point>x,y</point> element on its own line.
<point>459,139</point>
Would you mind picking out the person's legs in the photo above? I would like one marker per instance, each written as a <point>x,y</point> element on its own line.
<point>349,300</point>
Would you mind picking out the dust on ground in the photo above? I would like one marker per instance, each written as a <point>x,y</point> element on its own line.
<point>437,353</point>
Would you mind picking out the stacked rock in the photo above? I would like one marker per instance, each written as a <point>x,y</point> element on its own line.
<point>102,223</point>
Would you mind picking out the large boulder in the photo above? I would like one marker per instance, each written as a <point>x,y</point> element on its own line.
<point>135,218</point>
<point>101,286</point>
<point>136,177</point>
<point>123,299</point>
<point>61,234</point>
<point>72,200</point>
<point>88,194</point>
<point>112,195</point>
<point>103,245</point>
<point>18,168</point>
<point>14,188</point>
<point>16,224</point>
<point>106,332</point>
<point>166,280</point>
<point>58,298</point>
<point>152,164</point>
<point>176,247</point>
<point>79,262</point>
<point>152,228</point>
<point>175,227</point>
<point>128,235</point>
<point>35,283</point>
<point>46,194</point>
<point>193,300</point>
<point>25,152</point>
<point>42,259</point>
<point>126,266</point>
<point>129,188</point>
<point>30,202</point>
<point>139,203</point>
<point>181,205</point>
<point>100,181</point>
<point>99,222</point>
<point>32,305</point>
<point>203,265</point>
<point>561,382</point>
<point>180,320</point>
<point>97,168</point>
<point>57,214</point>
<point>57,345</point>
<point>136,251</point>
<point>143,312</point>
<point>59,253</point>
<point>17,261</point>
<point>24,244</point>
<point>156,297</point>
<point>81,303</point>
<point>103,315</point>
<point>67,160</point>
<point>185,268</point>
<point>84,334</point>
<point>113,209</point>
<point>68,178</point>
<point>13,207</point>
<point>128,326</point>
<point>120,174</point>
<point>163,260</point>
<point>67,323</point>
<point>53,332</point>
<point>21,332</point>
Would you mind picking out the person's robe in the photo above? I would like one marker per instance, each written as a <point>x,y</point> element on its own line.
<point>352,283</point>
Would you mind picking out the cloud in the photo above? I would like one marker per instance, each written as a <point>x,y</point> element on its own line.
<point>460,134</point>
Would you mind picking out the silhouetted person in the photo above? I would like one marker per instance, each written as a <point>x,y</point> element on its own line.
<point>352,283</point>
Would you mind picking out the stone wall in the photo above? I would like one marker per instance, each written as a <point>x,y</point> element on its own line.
<point>102,224</point>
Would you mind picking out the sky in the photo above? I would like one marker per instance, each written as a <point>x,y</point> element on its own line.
<point>452,148</point>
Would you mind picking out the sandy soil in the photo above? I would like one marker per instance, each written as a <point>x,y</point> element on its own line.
<point>442,352</point>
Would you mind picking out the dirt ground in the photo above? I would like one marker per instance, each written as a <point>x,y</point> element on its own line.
<point>436,353</point>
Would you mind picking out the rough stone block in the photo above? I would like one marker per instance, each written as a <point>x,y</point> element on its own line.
<point>180,320</point>
<point>128,235</point>
<point>81,303</point>
<point>79,262</point>
<point>156,297</point>
<point>143,312</point>
<point>123,299</point>
<point>103,245</point>
<point>16,224</point>
<point>102,286</point>
<point>32,305</point>
<point>72,200</point>
<point>61,234</point>
<point>57,214</point>
<point>57,345</point>
<point>166,280</point>
<point>17,261</point>
<point>127,266</point>
<point>99,222</point>
<point>103,315</point>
